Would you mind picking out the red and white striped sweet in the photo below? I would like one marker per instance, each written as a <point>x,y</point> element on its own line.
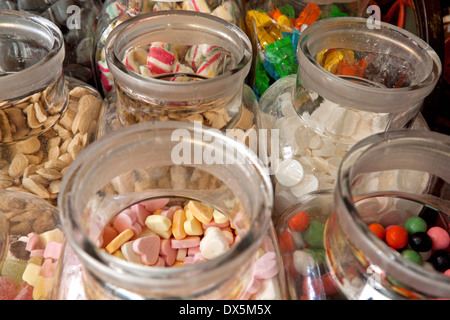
<point>196,5</point>
<point>161,58</point>
<point>228,11</point>
<point>160,6</point>
<point>214,63</point>
<point>196,54</point>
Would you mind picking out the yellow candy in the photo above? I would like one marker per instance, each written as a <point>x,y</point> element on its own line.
<point>285,23</point>
<point>31,274</point>
<point>261,19</point>
<point>160,225</point>
<point>52,235</point>
<point>119,240</point>
<point>202,212</point>
<point>42,288</point>
<point>119,254</point>
<point>219,217</point>
<point>193,227</point>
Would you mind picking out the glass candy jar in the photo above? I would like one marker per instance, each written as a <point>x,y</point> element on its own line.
<point>77,20</point>
<point>352,82</point>
<point>115,12</point>
<point>353,247</point>
<point>218,98</point>
<point>275,27</point>
<point>31,247</point>
<point>158,165</point>
<point>45,119</point>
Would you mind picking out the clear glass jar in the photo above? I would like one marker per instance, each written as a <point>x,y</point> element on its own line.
<point>46,119</point>
<point>385,179</point>
<point>113,178</point>
<point>115,12</point>
<point>323,111</point>
<point>31,247</point>
<point>77,20</point>
<point>275,27</point>
<point>221,102</point>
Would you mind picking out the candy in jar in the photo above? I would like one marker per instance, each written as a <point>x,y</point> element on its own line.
<point>340,96</point>
<point>46,118</point>
<point>115,12</point>
<point>194,228</point>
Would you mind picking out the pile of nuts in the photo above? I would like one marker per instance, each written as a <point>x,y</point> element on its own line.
<point>38,140</point>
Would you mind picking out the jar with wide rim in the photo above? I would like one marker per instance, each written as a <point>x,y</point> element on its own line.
<point>222,102</point>
<point>353,81</point>
<point>114,12</point>
<point>31,247</point>
<point>385,179</point>
<point>46,118</point>
<point>113,178</point>
<point>77,20</point>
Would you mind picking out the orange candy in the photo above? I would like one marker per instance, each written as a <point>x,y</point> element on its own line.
<point>378,230</point>
<point>299,222</point>
<point>396,237</point>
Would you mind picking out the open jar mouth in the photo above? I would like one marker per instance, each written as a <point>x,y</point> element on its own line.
<point>178,27</point>
<point>40,44</point>
<point>107,158</point>
<point>421,152</point>
<point>393,51</point>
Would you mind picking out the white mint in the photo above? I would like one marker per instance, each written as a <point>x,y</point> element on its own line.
<point>289,172</point>
<point>342,122</point>
<point>304,263</point>
<point>308,184</point>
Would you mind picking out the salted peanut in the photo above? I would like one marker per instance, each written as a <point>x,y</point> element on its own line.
<point>215,120</point>
<point>55,164</point>
<point>64,147</point>
<point>68,118</point>
<point>78,92</point>
<point>41,115</point>
<point>35,188</point>
<point>32,159</point>
<point>246,119</point>
<point>54,186</point>
<point>5,181</point>
<point>30,170</point>
<point>66,158</point>
<point>49,174</point>
<point>53,153</point>
<point>5,127</point>
<point>18,123</point>
<point>32,120</point>
<point>18,165</point>
<point>28,146</point>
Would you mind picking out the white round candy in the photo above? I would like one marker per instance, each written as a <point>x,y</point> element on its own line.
<point>308,184</point>
<point>289,172</point>
<point>303,262</point>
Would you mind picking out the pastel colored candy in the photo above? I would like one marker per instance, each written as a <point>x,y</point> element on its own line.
<point>167,252</point>
<point>201,212</point>
<point>107,235</point>
<point>33,242</point>
<point>148,249</point>
<point>140,213</point>
<point>155,204</point>
<point>119,240</point>
<point>213,244</point>
<point>128,252</point>
<point>160,225</point>
<point>53,250</point>
<point>179,217</point>
<point>170,212</point>
<point>188,242</point>
<point>48,268</point>
<point>266,267</point>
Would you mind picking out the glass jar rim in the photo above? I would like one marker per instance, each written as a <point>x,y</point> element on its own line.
<point>432,283</point>
<point>134,28</point>
<point>88,251</point>
<point>364,97</point>
<point>43,72</point>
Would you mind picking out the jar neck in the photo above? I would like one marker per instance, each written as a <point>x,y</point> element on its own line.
<point>247,205</point>
<point>372,90</point>
<point>33,95</point>
<point>142,98</point>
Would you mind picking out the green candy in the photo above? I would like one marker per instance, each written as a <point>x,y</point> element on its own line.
<point>415,224</point>
<point>317,254</point>
<point>281,54</point>
<point>336,12</point>
<point>313,235</point>
<point>412,255</point>
<point>13,269</point>
<point>287,10</point>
